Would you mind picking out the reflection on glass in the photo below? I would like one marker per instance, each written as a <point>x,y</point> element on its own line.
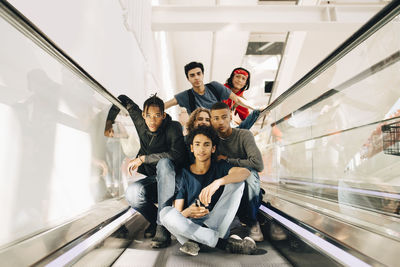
<point>121,145</point>
<point>55,162</point>
<point>340,143</point>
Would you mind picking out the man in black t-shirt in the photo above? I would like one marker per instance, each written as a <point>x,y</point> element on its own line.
<point>208,198</point>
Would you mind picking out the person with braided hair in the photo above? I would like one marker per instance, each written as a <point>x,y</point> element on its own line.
<point>162,152</point>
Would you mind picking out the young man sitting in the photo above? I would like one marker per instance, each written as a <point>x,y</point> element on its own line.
<point>238,147</point>
<point>162,148</point>
<point>208,198</point>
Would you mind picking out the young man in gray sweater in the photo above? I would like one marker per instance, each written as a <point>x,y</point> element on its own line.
<point>238,147</point>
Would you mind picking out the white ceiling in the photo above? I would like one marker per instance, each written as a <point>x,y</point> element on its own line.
<point>217,32</point>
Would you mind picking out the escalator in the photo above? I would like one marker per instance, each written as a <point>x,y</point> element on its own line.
<point>331,178</point>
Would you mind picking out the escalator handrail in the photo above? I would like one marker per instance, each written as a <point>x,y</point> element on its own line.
<point>26,27</point>
<point>375,23</point>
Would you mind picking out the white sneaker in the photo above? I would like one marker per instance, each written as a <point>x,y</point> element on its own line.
<point>191,248</point>
<point>255,233</point>
<point>277,232</point>
<point>237,245</point>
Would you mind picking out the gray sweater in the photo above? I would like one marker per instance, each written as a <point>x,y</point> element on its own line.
<point>241,149</point>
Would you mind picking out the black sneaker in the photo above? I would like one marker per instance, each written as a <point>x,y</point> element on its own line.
<point>241,246</point>
<point>191,248</point>
<point>162,238</point>
<point>150,231</point>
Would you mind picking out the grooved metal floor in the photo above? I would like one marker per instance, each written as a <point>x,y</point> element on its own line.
<point>140,254</point>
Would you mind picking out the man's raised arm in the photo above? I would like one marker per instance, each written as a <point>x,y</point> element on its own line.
<point>241,101</point>
<point>170,103</point>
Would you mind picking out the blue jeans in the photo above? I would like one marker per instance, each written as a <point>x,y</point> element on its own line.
<point>217,221</point>
<point>251,200</point>
<point>250,120</point>
<point>159,188</point>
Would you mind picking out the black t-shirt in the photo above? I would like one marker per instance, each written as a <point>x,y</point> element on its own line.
<point>190,184</point>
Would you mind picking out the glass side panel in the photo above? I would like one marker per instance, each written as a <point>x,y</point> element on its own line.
<point>55,162</point>
<point>364,84</point>
<point>342,142</point>
<point>364,175</point>
<point>367,84</point>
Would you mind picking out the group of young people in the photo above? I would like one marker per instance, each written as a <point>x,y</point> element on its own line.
<point>203,180</point>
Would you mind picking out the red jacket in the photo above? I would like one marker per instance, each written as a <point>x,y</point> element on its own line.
<point>240,110</point>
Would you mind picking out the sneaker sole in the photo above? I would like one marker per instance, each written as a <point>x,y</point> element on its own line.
<point>188,252</point>
<point>236,237</point>
<point>159,244</point>
<point>253,249</point>
<point>257,238</point>
<point>149,235</point>
<point>250,239</point>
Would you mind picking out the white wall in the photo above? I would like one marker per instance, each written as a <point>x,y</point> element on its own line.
<point>220,52</point>
<point>112,40</point>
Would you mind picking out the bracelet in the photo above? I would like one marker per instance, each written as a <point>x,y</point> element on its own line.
<point>140,159</point>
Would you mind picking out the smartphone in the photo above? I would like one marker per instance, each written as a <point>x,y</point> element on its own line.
<point>199,204</point>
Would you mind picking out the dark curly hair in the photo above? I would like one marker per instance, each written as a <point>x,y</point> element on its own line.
<point>207,131</point>
<point>230,83</point>
<point>193,117</point>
